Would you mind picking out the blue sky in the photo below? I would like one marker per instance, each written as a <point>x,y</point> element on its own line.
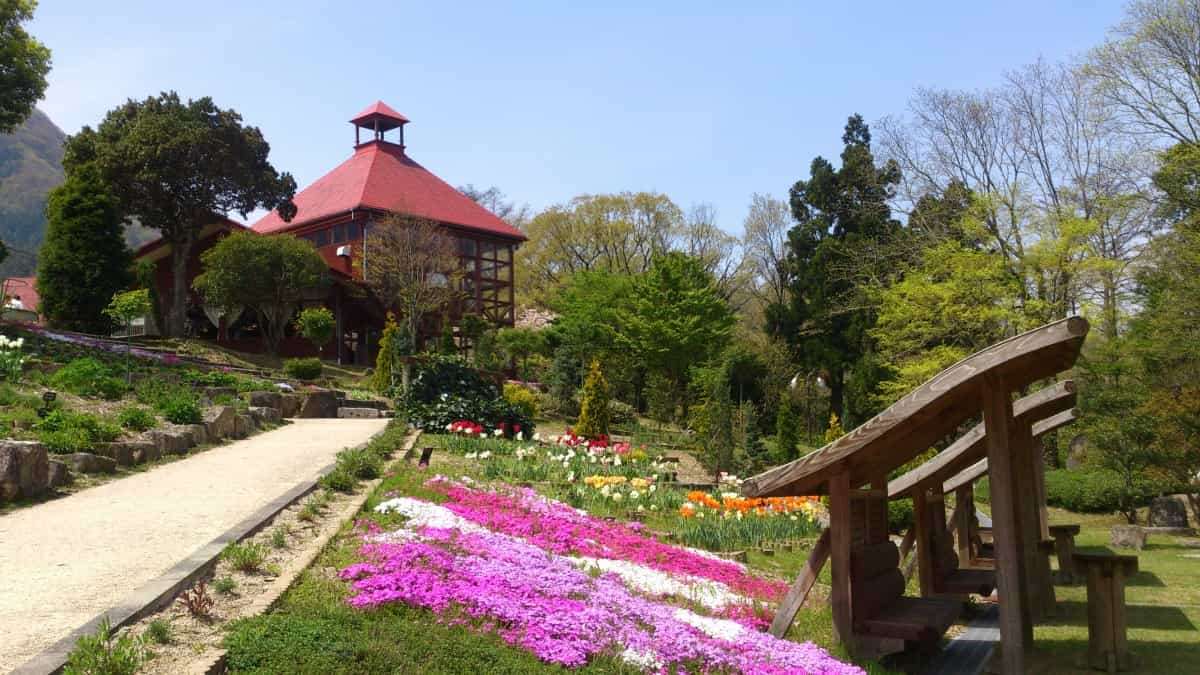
<point>704,102</point>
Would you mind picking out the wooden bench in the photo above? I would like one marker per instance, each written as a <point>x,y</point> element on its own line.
<point>1064,548</point>
<point>880,608</point>
<point>1106,573</point>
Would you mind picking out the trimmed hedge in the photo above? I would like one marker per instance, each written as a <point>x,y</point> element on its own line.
<point>1095,490</point>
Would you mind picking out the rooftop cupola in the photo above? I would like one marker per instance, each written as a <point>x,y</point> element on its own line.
<point>378,118</point>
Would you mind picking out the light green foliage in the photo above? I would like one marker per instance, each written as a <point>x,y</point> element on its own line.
<point>84,260</point>
<point>136,418</point>
<point>518,344</point>
<point>593,409</point>
<point>317,325</point>
<point>158,631</point>
<point>64,431</point>
<point>676,319</point>
<point>394,345</point>
<point>224,585</point>
<point>129,305</point>
<point>834,431</point>
<point>268,275</point>
<point>106,654</point>
<point>524,398</point>
<point>24,62</point>
<point>245,556</point>
<point>956,301</point>
<point>89,377</point>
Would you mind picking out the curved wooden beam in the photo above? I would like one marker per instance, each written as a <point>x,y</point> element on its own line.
<point>928,413</point>
<point>979,469</point>
<point>972,445</point>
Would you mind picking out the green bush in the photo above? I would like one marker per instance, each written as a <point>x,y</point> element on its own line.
<point>360,463</point>
<point>181,410</point>
<point>900,515</point>
<point>245,557</point>
<point>445,389</point>
<point>89,377</point>
<point>136,418</point>
<point>521,397</point>
<point>339,480</point>
<point>64,431</point>
<point>593,407</point>
<point>106,654</point>
<point>303,369</point>
<point>1096,490</point>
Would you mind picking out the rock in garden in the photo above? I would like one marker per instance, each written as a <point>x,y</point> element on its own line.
<point>170,441</point>
<point>145,451</point>
<point>1128,536</point>
<point>1077,452</point>
<point>264,415</point>
<point>244,425</point>
<point>218,422</point>
<point>265,399</point>
<point>60,474</point>
<point>119,451</point>
<point>199,433</point>
<point>357,413</point>
<point>86,462</point>
<point>322,403</point>
<point>289,405</point>
<point>1168,512</point>
<point>363,403</point>
<point>213,393</point>
<point>24,469</point>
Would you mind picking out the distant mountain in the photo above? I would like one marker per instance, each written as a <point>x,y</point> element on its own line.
<point>30,166</point>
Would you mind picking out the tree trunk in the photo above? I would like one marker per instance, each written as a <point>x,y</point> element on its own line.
<point>181,250</point>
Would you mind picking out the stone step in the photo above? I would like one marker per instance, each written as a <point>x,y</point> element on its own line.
<point>363,403</point>
<point>357,413</point>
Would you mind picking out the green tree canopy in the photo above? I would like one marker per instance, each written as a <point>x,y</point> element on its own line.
<point>173,165</point>
<point>269,275</point>
<point>84,260</point>
<point>317,325</point>
<point>24,63</point>
<point>840,215</point>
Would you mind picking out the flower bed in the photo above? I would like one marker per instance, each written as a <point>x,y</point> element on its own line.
<point>501,560</point>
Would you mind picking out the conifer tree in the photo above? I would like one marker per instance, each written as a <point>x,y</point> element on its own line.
<point>593,410</point>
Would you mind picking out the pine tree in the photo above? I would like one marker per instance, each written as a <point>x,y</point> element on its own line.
<point>84,261</point>
<point>787,430</point>
<point>593,410</point>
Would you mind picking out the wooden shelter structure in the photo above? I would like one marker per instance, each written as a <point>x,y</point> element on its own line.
<point>951,567</point>
<point>869,612</point>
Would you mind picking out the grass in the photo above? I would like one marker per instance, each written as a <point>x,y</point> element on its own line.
<point>245,557</point>
<point>225,585</point>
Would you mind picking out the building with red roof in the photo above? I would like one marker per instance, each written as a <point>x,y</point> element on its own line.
<point>339,208</point>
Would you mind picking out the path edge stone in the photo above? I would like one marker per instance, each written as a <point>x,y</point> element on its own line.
<point>162,590</point>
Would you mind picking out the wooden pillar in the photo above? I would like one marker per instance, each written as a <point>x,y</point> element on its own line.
<point>1039,477</point>
<point>839,552</point>
<point>906,543</point>
<point>964,512</point>
<point>1016,624</point>
<point>1039,584</point>
<point>923,524</point>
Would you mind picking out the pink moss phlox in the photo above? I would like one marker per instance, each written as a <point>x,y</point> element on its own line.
<point>561,529</point>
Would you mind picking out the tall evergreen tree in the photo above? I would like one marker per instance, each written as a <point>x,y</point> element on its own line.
<point>84,260</point>
<point>844,227</point>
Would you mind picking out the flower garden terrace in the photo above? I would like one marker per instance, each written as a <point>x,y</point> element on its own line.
<point>579,553</point>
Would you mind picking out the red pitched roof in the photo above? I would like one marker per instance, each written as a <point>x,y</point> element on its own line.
<point>380,176</point>
<point>379,109</point>
<point>23,289</point>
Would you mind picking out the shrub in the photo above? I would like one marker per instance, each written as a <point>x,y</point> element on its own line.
<point>303,369</point>
<point>787,430</point>
<point>900,515</point>
<point>106,654</point>
<point>317,325</point>
<point>446,389</point>
<point>340,480</point>
<point>621,414</point>
<point>136,418</point>
<point>158,631</point>
<point>89,377</point>
<point>181,410</point>
<point>522,398</point>
<point>224,585</point>
<point>244,557</point>
<point>279,537</point>
<point>593,408</point>
<point>1096,490</point>
<point>360,463</point>
<point>64,431</point>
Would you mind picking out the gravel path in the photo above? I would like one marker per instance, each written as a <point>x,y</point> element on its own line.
<point>65,561</point>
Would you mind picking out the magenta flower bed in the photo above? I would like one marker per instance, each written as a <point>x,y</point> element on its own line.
<point>543,603</point>
<point>558,528</point>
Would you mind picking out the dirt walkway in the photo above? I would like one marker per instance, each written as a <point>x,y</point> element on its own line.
<point>65,561</point>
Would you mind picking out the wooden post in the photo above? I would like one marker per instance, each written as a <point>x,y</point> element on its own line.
<point>1039,481</point>
<point>1016,624</point>
<point>796,595</point>
<point>922,523</point>
<point>1040,587</point>
<point>839,542</point>
<point>906,543</point>
<point>1108,648</point>
<point>1064,547</point>
<point>964,512</point>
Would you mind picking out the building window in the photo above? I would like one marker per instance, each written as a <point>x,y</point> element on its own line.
<point>321,238</point>
<point>466,247</point>
<point>339,234</point>
<point>352,232</point>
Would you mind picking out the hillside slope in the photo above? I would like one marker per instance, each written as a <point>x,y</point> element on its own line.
<point>30,166</point>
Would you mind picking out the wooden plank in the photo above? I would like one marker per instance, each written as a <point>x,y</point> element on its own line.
<point>979,469</point>
<point>906,543</point>
<point>969,447</point>
<point>840,595</point>
<point>798,593</point>
<point>1039,484</point>
<point>964,512</point>
<point>1016,625</point>
<point>1040,585</point>
<point>933,409</point>
<point>922,523</point>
